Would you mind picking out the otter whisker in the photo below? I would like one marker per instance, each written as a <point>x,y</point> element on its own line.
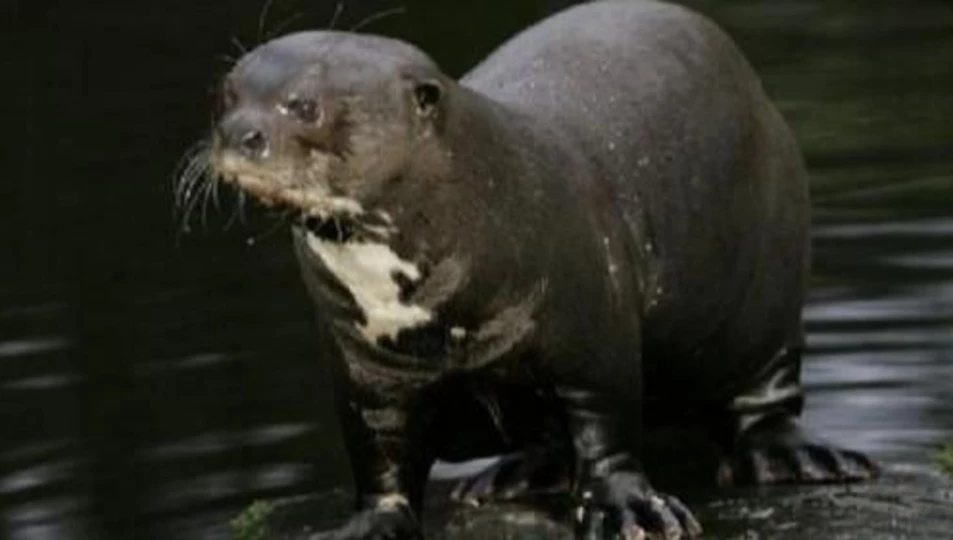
<point>241,207</point>
<point>263,18</point>
<point>241,48</point>
<point>189,171</point>
<point>187,157</point>
<point>195,166</point>
<point>194,175</point>
<point>284,24</point>
<point>185,216</point>
<point>182,194</point>
<point>237,214</point>
<point>233,215</point>
<point>216,200</point>
<point>338,9</point>
<point>206,196</point>
<point>378,16</point>
<point>196,181</point>
<point>192,203</point>
<point>278,224</point>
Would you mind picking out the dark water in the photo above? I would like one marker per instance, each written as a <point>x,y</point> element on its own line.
<point>152,384</point>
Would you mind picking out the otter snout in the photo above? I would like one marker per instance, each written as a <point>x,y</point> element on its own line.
<point>246,133</point>
<point>279,161</point>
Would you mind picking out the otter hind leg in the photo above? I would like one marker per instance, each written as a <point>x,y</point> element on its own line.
<point>769,446</point>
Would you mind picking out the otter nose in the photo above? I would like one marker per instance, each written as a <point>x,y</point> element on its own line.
<point>242,132</point>
<point>253,144</point>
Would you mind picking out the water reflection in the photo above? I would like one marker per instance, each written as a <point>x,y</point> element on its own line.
<point>881,372</point>
<point>151,389</point>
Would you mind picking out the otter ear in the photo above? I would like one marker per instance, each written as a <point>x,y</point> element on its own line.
<point>427,94</point>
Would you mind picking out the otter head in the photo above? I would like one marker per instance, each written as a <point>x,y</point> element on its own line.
<point>321,122</point>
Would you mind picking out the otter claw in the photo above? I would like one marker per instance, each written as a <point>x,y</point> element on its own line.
<point>795,462</point>
<point>780,451</point>
<point>624,506</point>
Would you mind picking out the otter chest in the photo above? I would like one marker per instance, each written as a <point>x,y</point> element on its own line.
<point>369,271</point>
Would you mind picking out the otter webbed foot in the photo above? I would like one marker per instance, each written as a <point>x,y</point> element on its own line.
<point>778,451</point>
<point>381,523</point>
<point>521,475</point>
<point>624,506</point>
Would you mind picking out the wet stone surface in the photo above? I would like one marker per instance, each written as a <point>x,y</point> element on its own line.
<point>909,504</point>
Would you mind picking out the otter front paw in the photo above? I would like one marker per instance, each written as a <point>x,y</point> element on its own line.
<point>385,522</point>
<point>623,505</point>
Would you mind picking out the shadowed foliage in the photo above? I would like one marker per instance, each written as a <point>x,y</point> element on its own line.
<point>944,457</point>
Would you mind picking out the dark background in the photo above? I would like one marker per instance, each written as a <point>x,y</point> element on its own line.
<point>154,381</point>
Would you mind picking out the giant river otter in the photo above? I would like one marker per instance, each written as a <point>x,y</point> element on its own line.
<point>602,225</point>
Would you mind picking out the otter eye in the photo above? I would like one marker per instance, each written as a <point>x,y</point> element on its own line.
<point>304,109</point>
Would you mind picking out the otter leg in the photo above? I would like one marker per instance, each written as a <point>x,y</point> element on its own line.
<point>768,445</point>
<point>383,439</point>
<point>524,425</point>
<point>539,471</point>
<point>611,488</point>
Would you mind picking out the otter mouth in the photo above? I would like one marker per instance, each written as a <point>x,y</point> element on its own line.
<point>310,201</point>
<point>333,219</point>
<point>337,229</point>
<point>281,187</point>
<point>329,217</point>
<point>312,208</point>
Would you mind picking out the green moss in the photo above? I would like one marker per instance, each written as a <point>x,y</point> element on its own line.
<point>944,457</point>
<point>252,524</point>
